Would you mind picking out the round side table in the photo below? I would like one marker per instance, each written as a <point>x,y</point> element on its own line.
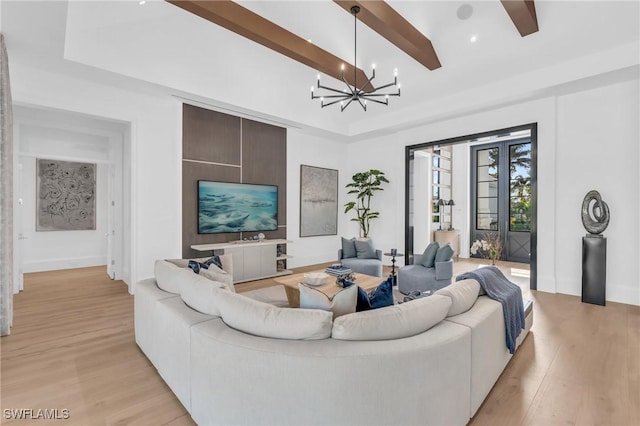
<point>393,265</point>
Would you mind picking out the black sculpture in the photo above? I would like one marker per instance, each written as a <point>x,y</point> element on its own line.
<point>600,211</point>
<point>594,249</point>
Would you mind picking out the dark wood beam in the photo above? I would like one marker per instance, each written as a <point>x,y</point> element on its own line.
<point>523,15</point>
<point>384,20</point>
<point>248,24</point>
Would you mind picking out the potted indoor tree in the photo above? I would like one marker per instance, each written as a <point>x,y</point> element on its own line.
<point>363,186</point>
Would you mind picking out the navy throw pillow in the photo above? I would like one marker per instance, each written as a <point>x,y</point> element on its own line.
<point>380,297</point>
<point>365,249</point>
<point>429,255</point>
<point>444,254</point>
<point>196,266</point>
<point>348,248</point>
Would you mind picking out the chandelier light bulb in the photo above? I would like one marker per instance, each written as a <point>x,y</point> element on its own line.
<point>373,66</point>
<point>395,72</point>
<point>318,77</point>
<point>311,89</point>
<point>342,67</point>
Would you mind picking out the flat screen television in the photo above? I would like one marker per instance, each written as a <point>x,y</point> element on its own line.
<point>236,207</point>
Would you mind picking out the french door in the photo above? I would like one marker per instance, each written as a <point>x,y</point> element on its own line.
<point>501,196</point>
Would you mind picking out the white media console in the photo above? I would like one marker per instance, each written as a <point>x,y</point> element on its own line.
<point>252,259</point>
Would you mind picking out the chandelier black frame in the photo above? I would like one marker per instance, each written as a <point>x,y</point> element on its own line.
<point>353,92</point>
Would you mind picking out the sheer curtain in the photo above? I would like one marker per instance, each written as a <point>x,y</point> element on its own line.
<point>6,195</point>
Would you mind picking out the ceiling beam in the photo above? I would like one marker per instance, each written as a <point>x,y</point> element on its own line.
<point>246,23</point>
<point>523,15</point>
<point>384,20</point>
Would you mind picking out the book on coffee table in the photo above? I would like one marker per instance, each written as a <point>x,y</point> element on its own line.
<point>338,270</point>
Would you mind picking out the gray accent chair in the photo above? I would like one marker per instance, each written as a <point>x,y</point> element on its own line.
<point>371,267</point>
<point>417,277</point>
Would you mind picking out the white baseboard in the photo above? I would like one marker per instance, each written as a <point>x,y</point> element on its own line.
<point>614,293</point>
<point>546,283</point>
<point>623,294</point>
<point>68,263</point>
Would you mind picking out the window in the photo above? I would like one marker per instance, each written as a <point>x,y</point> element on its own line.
<point>520,187</point>
<point>487,189</point>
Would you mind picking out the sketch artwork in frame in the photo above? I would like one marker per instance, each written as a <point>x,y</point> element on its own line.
<point>65,195</point>
<point>318,201</point>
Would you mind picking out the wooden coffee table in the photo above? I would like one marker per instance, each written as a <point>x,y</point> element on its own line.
<point>290,283</point>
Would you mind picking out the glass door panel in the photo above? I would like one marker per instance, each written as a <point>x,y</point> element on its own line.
<point>501,201</point>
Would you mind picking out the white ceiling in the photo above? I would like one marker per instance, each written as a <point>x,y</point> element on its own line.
<point>160,47</point>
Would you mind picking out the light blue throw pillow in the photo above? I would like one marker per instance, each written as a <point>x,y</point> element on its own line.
<point>348,248</point>
<point>365,249</point>
<point>445,253</point>
<point>429,255</point>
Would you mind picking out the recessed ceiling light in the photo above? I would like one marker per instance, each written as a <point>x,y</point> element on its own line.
<point>142,2</point>
<point>473,38</point>
<point>309,40</point>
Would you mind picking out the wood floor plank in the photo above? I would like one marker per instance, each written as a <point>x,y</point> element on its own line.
<point>72,346</point>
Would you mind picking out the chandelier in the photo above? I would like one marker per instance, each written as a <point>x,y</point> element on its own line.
<point>352,92</point>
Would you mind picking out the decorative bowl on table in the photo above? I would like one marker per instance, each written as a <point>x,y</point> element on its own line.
<point>315,278</point>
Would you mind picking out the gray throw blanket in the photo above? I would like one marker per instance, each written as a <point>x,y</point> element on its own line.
<point>499,288</point>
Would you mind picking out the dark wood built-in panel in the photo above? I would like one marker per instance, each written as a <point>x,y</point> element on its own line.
<point>210,136</point>
<point>220,147</point>
<point>264,159</point>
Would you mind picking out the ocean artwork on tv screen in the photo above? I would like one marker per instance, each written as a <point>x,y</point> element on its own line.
<point>236,207</point>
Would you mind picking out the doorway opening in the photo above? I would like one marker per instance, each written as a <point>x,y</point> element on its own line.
<point>66,138</point>
<point>474,187</point>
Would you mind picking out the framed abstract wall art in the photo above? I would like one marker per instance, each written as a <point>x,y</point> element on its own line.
<point>65,195</point>
<point>318,201</point>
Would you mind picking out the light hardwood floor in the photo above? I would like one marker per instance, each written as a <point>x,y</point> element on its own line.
<point>72,347</point>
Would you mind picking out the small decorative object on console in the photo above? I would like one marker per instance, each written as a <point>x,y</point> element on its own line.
<point>340,280</point>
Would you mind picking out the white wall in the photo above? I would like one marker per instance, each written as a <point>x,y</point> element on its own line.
<point>387,155</point>
<point>422,201</point>
<point>597,148</point>
<point>599,124</point>
<point>153,153</point>
<point>312,151</point>
<point>461,194</point>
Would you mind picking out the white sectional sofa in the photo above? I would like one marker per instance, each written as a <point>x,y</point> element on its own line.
<point>233,360</point>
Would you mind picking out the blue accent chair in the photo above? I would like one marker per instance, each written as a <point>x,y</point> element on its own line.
<point>371,267</point>
<point>417,277</point>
